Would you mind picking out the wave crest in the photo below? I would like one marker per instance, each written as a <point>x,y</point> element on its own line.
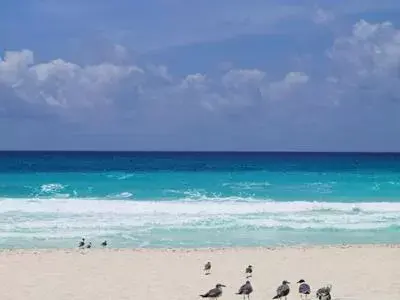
<point>196,214</point>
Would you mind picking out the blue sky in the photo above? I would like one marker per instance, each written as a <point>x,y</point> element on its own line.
<point>200,75</point>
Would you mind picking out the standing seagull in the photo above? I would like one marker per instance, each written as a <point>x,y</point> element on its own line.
<point>89,245</point>
<point>283,290</point>
<point>245,289</point>
<point>81,243</point>
<point>324,293</point>
<point>249,271</point>
<point>214,293</point>
<point>104,244</point>
<point>207,268</point>
<point>304,289</point>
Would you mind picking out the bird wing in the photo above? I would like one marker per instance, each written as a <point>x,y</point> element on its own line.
<point>244,289</point>
<point>282,290</point>
<point>279,290</point>
<point>241,290</point>
<point>304,288</point>
<point>213,293</point>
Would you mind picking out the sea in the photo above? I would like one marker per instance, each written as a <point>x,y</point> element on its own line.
<point>198,199</point>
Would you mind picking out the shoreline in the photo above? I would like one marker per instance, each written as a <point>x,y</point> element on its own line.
<point>208,249</point>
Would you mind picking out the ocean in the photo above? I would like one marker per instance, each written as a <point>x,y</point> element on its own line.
<point>189,199</point>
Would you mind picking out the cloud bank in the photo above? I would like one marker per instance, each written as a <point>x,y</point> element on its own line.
<point>352,104</point>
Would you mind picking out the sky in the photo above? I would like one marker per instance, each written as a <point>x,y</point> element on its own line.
<point>221,75</point>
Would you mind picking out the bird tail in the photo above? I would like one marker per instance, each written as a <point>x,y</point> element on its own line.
<point>276,297</point>
<point>203,296</point>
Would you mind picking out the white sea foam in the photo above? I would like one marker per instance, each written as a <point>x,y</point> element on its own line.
<point>66,215</point>
<point>121,195</point>
<point>224,206</point>
<point>247,185</point>
<point>51,187</point>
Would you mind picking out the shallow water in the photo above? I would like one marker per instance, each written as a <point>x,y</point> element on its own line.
<point>198,199</point>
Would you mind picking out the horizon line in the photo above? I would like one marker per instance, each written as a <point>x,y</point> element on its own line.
<point>203,151</point>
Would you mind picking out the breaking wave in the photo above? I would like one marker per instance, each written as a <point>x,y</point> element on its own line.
<point>206,213</point>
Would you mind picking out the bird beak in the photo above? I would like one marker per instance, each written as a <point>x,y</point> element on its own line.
<point>223,285</point>
<point>298,281</point>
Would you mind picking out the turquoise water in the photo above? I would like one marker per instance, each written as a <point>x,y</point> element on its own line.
<point>52,199</point>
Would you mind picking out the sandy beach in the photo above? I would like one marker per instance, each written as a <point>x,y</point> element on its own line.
<point>356,272</point>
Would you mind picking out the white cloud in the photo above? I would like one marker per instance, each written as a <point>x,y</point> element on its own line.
<point>70,86</point>
<point>370,48</point>
<point>196,81</point>
<point>60,83</point>
<point>13,65</point>
<point>322,16</point>
<point>366,63</point>
<point>237,78</point>
<point>296,78</point>
<point>284,88</point>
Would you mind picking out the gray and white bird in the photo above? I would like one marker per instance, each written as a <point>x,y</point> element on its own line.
<point>245,289</point>
<point>304,289</point>
<point>81,243</point>
<point>283,290</point>
<point>207,268</point>
<point>249,271</point>
<point>214,293</point>
<point>324,293</point>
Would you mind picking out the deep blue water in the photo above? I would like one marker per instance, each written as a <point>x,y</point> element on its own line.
<point>155,199</point>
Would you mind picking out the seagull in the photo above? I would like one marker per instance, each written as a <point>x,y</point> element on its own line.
<point>304,289</point>
<point>249,270</point>
<point>81,243</point>
<point>104,244</point>
<point>89,245</point>
<point>207,268</point>
<point>214,293</point>
<point>324,293</point>
<point>283,290</point>
<point>245,289</point>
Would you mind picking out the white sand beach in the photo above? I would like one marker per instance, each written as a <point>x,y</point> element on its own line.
<point>356,272</point>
